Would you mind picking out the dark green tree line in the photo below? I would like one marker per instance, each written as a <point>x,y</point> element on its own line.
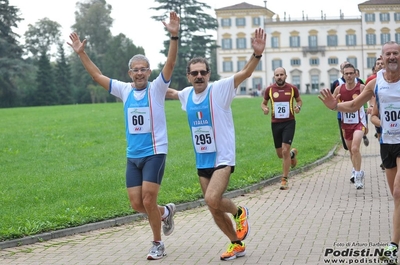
<point>40,38</point>
<point>40,73</point>
<point>11,62</point>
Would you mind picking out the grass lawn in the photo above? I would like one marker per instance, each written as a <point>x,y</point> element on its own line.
<point>64,166</point>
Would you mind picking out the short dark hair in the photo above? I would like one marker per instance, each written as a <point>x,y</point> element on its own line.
<point>197,60</point>
<point>349,65</point>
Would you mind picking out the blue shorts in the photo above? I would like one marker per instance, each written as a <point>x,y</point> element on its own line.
<point>149,168</point>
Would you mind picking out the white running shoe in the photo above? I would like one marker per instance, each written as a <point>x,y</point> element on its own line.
<point>157,251</point>
<point>358,180</point>
<point>168,222</point>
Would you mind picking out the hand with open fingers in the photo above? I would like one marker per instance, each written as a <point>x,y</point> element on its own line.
<point>76,44</point>
<point>328,99</point>
<point>173,25</point>
<point>258,42</point>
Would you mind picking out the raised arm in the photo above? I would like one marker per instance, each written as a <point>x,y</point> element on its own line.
<point>91,68</point>
<point>173,29</point>
<point>258,44</point>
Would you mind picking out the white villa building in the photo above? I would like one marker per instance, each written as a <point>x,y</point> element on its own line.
<point>310,49</point>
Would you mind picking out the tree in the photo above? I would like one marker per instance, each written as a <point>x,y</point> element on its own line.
<point>97,94</point>
<point>42,37</point>
<point>63,78</point>
<point>92,22</point>
<point>11,62</point>
<point>25,83</point>
<point>39,40</point>
<point>45,93</point>
<point>194,40</point>
<point>120,50</point>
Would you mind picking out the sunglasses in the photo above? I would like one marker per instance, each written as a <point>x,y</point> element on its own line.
<point>196,73</point>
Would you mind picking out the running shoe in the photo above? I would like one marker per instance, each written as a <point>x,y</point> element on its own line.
<point>352,176</point>
<point>284,183</point>
<point>157,251</point>
<point>389,254</point>
<point>234,251</point>
<point>242,224</point>
<point>366,141</point>
<point>293,158</point>
<point>359,178</point>
<point>168,222</point>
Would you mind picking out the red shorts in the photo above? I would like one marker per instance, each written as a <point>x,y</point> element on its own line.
<point>348,133</point>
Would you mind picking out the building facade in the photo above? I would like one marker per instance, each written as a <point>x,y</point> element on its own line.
<point>310,49</point>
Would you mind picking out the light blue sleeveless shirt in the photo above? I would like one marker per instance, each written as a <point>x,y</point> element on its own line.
<point>201,126</point>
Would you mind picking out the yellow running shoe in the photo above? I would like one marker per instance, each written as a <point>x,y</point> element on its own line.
<point>389,255</point>
<point>242,224</point>
<point>284,183</point>
<point>234,251</point>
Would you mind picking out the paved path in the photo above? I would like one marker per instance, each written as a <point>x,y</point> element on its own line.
<point>322,210</point>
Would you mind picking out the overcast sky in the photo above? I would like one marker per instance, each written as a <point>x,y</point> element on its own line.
<point>133,18</point>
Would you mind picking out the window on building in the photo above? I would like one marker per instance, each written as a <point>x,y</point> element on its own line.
<point>351,40</point>
<point>384,17</point>
<point>332,40</point>
<point>385,37</point>
<point>225,22</point>
<point>242,88</point>
<point>259,66</point>
<point>369,17</point>
<point>275,42</point>
<point>296,81</point>
<point>315,83</point>
<point>396,16</point>
<point>370,39</point>
<point>227,66</point>
<point>397,37</point>
<point>256,21</point>
<point>240,65</point>
<point>295,62</point>
<point>333,61</point>
<point>371,62</point>
<point>332,78</point>
<point>294,41</point>
<point>314,61</point>
<point>276,63</point>
<point>313,41</point>
<point>240,22</point>
<point>241,43</point>
<point>257,85</point>
<point>226,44</point>
<point>353,61</point>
